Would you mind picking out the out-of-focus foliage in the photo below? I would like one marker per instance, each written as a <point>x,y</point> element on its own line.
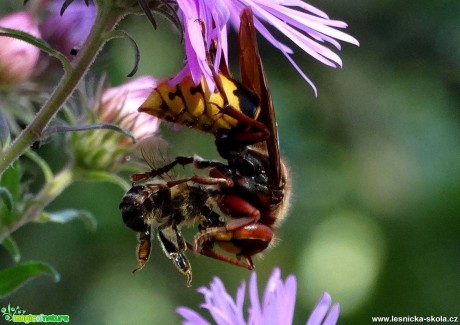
<point>375,160</point>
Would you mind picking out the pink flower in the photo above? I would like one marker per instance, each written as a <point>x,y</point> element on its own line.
<point>119,104</point>
<point>18,58</point>
<point>277,307</point>
<point>306,26</point>
<point>213,16</point>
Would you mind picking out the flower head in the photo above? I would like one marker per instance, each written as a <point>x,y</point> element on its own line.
<point>101,149</point>
<point>18,58</point>
<point>204,22</point>
<point>309,28</point>
<point>277,304</point>
<point>69,30</point>
<point>121,103</point>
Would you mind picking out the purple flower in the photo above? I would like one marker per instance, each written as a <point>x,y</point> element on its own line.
<point>69,30</point>
<point>277,305</point>
<point>213,17</point>
<point>18,58</point>
<point>306,26</point>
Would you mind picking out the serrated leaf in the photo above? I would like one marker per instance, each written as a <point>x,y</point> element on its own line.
<point>12,248</point>
<point>67,215</point>
<point>37,42</point>
<point>16,276</point>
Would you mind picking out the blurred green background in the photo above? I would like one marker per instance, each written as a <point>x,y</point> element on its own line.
<point>375,164</point>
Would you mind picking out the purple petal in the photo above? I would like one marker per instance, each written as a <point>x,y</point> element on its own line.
<point>319,52</point>
<point>305,25</point>
<point>73,26</point>
<point>283,48</point>
<point>306,21</point>
<point>273,282</point>
<point>287,304</point>
<point>191,317</point>
<point>279,299</point>
<point>304,76</point>
<point>271,312</point>
<point>240,297</point>
<point>303,5</point>
<point>180,75</point>
<point>213,15</point>
<point>221,305</point>
<point>255,312</point>
<point>320,310</point>
<point>277,308</point>
<point>333,315</point>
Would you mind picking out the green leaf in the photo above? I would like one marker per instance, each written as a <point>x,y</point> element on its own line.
<point>12,248</point>
<point>67,215</point>
<point>102,176</point>
<point>10,194</point>
<point>98,126</point>
<point>46,170</point>
<point>137,55</point>
<point>14,277</point>
<point>37,42</point>
<point>4,131</point>
<point>7,198</point>
<point>145,7</point>
<point>11,179</point>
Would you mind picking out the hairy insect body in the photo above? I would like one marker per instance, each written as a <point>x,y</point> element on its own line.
<point>251,189</point>
<point>164,209</point>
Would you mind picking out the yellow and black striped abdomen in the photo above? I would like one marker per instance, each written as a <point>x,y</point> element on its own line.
<point>196,107</point>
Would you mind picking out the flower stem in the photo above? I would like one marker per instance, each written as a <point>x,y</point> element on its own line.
<point>48,193</point>
<point>106,20</point>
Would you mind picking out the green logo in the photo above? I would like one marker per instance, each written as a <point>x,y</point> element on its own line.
<point>18,315</point>
<point>9,312</point>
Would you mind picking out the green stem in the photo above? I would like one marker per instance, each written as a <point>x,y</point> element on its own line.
<point>105,22</point>
<point>48,193</point>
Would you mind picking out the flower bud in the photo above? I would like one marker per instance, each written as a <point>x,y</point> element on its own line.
<point>106,149</point>
<point>18,58</point>
<point>121,103</point>
<point>68,31</point>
